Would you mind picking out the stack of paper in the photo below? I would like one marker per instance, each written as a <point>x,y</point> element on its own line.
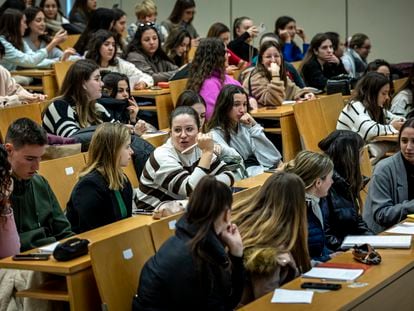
<point>378,241</point>
<point>333,274</point>
<point>292,296</point>
<point>404,228</point>
<point>48,249</point>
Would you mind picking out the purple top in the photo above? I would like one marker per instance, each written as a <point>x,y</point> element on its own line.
<point>210,90</point>
<point>9,238</point>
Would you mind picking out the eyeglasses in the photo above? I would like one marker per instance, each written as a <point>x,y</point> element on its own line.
<point>147,24</point>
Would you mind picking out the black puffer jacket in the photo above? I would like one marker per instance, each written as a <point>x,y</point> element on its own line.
<point>342,216</point>
<point>171,281</point>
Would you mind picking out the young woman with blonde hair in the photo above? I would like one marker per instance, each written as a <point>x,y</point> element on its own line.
<point>103,193</point>
<point>316,172</point>
<point>274,234</point>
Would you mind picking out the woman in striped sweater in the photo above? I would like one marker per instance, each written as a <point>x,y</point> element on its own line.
<point>174,169</point>
<point>366,113</point>
<point>77,108</point>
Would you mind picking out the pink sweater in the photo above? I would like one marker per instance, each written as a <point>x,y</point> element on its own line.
<point>9,238</point>
<point>210,90</point>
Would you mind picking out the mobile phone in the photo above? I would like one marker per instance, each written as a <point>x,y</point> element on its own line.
<point>237,189</point>
<point>35,256</point>
<point>262,28</point>
<point>327,286</point>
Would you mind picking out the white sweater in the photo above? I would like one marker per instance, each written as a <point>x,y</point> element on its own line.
<point>402,103</point>
<point>356,118</point>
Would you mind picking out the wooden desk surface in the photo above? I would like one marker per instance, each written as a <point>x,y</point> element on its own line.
<point>277,112</point>
<point>253,181</point>
<point>395,263</point>
<point>33,72</point>
<point>81,263</point>
<point>393,138</point>
<point>149,92</point>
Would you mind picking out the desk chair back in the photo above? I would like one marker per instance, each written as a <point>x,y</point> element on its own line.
<point>61,68</point>
<point>117,263</point>
<point>69,42</point>
<point>62,175</point>
<point>10,114</point>
<point>176,88</point>
<point>163,229</point>
<point>309,120</point>
<point>399,83</point>
<point>331,107</point>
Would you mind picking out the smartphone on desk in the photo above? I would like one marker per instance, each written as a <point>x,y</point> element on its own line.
<point>33,256</point>
<point>327,286</point>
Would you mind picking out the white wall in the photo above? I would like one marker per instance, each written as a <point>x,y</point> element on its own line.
<point>388,23</point>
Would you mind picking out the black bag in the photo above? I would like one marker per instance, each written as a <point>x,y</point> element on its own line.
<point>71,249</point>
<point>339,84</point>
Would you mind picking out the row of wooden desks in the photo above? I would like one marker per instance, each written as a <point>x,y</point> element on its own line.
<point>80,288</point>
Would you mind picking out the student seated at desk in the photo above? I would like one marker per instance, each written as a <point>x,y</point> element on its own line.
<point>117,99</point>
<point>366,113</point>
<point>344,203</point>
<point>101,18</point>
<point>320,63</point>
<point>391,191</point>
<point>102,49</point>
<point>355,57</point>
<point>39,218</point>
<point>11,93</point>
<point>182,15</point>
<point>243,34</point>
<point>402,103</point>
<point>81,12</point>
<point>193,270</point>
<point>54,15</point>
<point>239,135</point>
<point>76,108</point>
<point>170,174</point>
<point>17,52</point>
<point>119,27</point>
<point>103,193</point>
<point>208,72</point>
<point>145,52</point>
<point>268,82</point>
<point>9,237</point>
<point>286,30</point>
<point>316,171</point>
<point>273,231</point>
<point>36,38</point>
<point>178,45</point>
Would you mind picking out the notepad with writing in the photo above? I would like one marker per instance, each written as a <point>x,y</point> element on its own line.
<point>291,296</point>
<point>333,274</point>
<point>378,241</point>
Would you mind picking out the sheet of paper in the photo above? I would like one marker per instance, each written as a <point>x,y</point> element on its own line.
<point>333,274</point>
<point>48,249</point>
<point>292,296</point>
<point>379,241</point>
<point>404,228</point>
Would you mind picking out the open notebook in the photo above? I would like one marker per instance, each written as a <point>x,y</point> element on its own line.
<point>378,241</point>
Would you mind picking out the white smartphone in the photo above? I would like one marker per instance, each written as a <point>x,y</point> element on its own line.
<point>262,28</point>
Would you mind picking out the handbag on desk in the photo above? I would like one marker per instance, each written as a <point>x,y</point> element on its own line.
<point>339,84</point>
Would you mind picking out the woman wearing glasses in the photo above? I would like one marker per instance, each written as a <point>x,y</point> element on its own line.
<point>145,52</point>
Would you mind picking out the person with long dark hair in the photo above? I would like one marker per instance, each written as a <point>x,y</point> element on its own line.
<point>243,34</point>
<point>286,30</point>
<point>54,16</point>
<point>238,134</point>
<point>268,82</point>
<point>366,113</point>
<point>178,45</point>
<point>182,15</point>
<point>193,270</point>
<point>391,190</point>
<point>145,52</point>
<point>320,63</point>
<point>344,203</point>
<point>402,103</point>
<point>101,18</point>
<point>81,13</point>
<point>17,52</point>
